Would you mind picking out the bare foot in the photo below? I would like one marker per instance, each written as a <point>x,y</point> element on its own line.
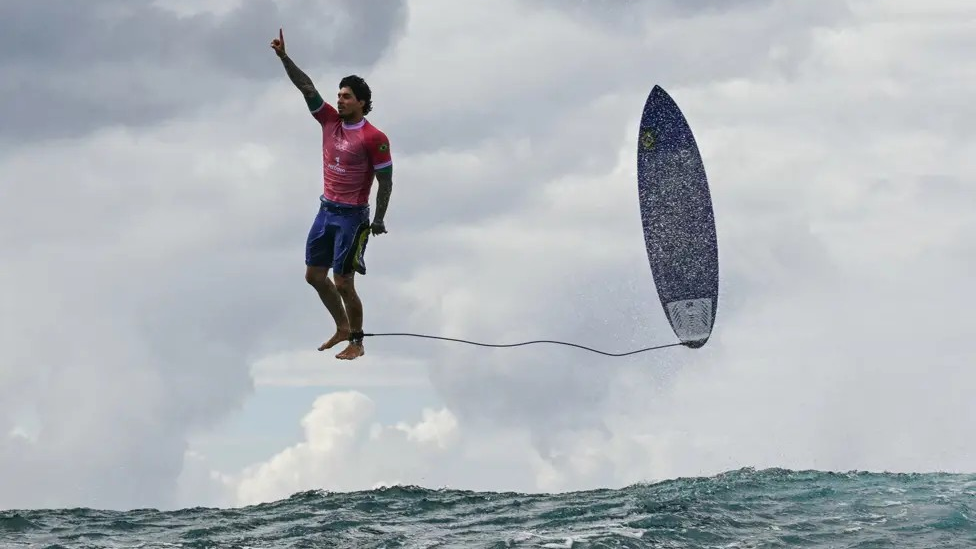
<point>342,334</point>
<point>352,351</point>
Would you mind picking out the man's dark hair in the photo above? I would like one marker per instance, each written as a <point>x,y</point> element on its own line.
<point>360,89</point>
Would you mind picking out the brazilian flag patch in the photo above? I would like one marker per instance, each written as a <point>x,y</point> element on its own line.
<point>384,147</point>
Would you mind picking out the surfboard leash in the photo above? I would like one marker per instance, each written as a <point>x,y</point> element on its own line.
<point>358,336</point>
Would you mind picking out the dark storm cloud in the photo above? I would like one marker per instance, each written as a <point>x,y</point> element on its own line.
<point>72,67</point>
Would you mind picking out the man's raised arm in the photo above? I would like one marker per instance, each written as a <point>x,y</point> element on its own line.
<point>297,76</point>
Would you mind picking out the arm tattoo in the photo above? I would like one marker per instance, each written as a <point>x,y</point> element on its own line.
<point>385,179</point>
<point>299,78</point>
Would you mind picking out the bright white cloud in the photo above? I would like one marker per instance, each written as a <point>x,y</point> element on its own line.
<point>345,449</point>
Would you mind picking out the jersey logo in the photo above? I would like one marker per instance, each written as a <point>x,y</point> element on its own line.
<point>336,167</point>
<point>384,147</point>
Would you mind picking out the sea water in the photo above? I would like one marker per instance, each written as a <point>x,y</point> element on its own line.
<point>738,509</point>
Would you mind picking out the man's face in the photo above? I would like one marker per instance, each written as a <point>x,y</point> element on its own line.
<point>346,103</point>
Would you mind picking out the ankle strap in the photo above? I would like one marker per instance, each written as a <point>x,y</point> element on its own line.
<point>356,337</point>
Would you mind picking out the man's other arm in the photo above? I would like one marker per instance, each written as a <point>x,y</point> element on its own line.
<point>384,180</point>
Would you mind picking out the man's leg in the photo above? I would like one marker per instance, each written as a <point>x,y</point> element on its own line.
<point>318,277</point>
<point>345,285</point>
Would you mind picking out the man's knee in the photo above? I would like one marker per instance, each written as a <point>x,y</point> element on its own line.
<point>344,283</point>
<point>317,276</point>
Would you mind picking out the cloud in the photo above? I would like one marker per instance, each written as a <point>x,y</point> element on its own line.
<point>343,449</point>
<point>81,67</point>
<point>109,360</point>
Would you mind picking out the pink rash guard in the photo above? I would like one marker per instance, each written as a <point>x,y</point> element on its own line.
<point>351,155</point>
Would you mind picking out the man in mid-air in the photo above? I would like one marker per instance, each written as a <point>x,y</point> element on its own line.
<point>353,152</point>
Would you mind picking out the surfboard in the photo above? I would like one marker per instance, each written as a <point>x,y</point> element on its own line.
<point>678,219</point>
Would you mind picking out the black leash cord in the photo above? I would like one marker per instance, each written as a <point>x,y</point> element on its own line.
<point>520,344</point>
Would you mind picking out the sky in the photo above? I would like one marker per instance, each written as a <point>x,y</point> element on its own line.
<point>159,173</point>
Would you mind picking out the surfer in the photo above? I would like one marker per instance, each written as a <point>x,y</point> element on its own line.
<point>353,152</point>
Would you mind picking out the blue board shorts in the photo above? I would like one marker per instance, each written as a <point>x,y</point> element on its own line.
<point>338,237</point>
